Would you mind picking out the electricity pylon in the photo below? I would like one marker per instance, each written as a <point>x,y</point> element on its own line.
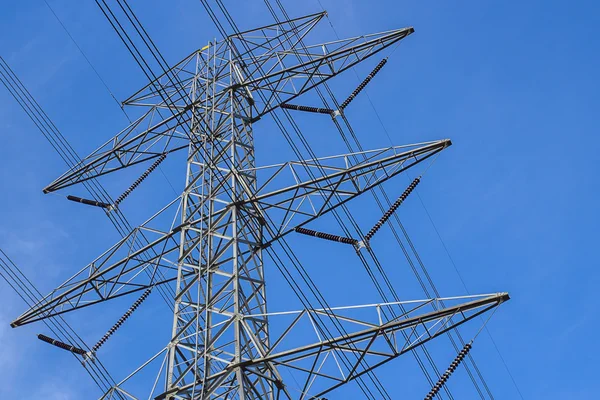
<point>230,211</point>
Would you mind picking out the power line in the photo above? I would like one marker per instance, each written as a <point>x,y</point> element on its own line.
<point>308,147</point>
<point>59,327</point>
<point>506,367</point>
<point>87,59</point>
<point>57,140</point>
<point>288,249</point>
<point>433,224</point>
<point>134,50</point>
<point>349,216</point>
<point>388,201</point>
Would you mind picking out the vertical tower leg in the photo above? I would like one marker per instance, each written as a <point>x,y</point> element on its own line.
<point>221,242</point>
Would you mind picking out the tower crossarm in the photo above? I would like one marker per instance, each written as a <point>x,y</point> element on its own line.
<point>249,46</point>
<point>317,366</point>
<point>326,183</point>
<point>277,80</point>
<point>267,67</point>
<point>144,140</point>
<point>102,280</point>
<point>148,256</point>
<point>163,128</point>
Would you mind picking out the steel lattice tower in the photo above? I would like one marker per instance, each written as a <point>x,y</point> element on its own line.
<point>225,247</point>
<point>231,211</point>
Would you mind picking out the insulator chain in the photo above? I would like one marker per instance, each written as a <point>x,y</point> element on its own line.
<point>121,320</point>
<point>307,108</point>
<point>139,180</point>
<point>61,345</point>
<point>363,84</point>
<point>392,209</point>
<point>88,202</point>
<point>442,381</point>
<point>327,236</point>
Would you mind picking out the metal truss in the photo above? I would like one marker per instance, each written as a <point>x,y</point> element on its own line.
<point>318,364</point>
<point>322,184</point>
<point>152,135</point>
<point>208,243</point>
<point>327,363</point>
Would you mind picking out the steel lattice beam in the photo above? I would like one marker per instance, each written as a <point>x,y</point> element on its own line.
<point>152,135</point>
<point>379,342</point>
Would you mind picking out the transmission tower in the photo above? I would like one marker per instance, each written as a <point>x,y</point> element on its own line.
<point>233,212</point>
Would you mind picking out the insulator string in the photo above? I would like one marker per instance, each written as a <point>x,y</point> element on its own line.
<point>392,209</point>
<point>307,108</point>
<point>363,84</point>
<point>327,236</point>
<point>444,378</point>
<point>139,180</point>
<point>61,345</point>
<point>88,202</point>
<point>121,320</point>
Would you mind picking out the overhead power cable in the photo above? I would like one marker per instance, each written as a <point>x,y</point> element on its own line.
<point>87,59</point>
<point>97,73</point>
<point>57,325</point>
<point>506,367</point>
<point>402,228</point>
<point>300,269</point>
<point>366,391</point>
<point>382,190</point>
<point>158,273</point>
<point>49,130</point>
<point>109,12</point>
<point>385,195</point>
<point>293,146</point>
<point>348,214</point>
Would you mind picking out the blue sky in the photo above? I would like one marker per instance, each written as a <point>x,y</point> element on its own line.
<point>513,84</point>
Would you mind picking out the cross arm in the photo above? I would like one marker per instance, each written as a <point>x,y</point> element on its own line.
<point>312,65</point>
<point>323,184</point>
<point>146,257</point>
<point>145,139</point>
<point>329,362</point>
